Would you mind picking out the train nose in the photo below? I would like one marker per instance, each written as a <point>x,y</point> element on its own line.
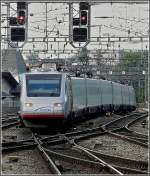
<point>44,110</point>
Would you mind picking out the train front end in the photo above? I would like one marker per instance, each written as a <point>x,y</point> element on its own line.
<point>42,99</point>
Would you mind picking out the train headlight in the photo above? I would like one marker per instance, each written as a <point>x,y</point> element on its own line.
<point>58,105</point>
<point>28,104</point>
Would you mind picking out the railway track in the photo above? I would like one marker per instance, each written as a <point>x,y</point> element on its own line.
<point>5,115</point>
<point>51,164</point>
<point>57,139</point>
<point>121,164</point>
<point>11,121</point>
<point>51,139</point>
<point>101,163</point>
<point>120,127</point>
<point>129,125</point>
<point>121,122</point>
<point>124,165</point>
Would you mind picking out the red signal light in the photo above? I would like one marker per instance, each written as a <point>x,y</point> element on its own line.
<point>21,20</point>
<point>21,17</point>
<point>83,17</point>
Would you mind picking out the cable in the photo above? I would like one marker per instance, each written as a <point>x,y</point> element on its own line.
<point>138,21</point>
<point>114,27</point>
<point>44,20</point>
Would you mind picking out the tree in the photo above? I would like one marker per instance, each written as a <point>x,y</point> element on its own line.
<point>134,59</point>
<point>135,62</point>
<point>83,56</point>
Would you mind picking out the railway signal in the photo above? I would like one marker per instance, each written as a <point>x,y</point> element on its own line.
<point>80,27</point>
<point>18,31</point>
<point>21,13</point>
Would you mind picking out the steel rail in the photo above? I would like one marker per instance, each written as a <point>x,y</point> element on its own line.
<point>138,141</point>
<point>143,165</point>
<point>8,114</point>
<point>110,167</point>
<point>113,125</point>
<point>69,134</point>
<point>47,141</point>
<point>4,126</point>
<point>57,139</point>
<point>131,133</point>
<point>127,133</point>
<point>9,146</point>
<point>9,119</point>
<point>89,163</point>
<point>135,132</point>
<point>74,160</point>
<point>52,166</point>
<point>18,147</point>
<point>124,170</point>
<point>143,144</point>
<point>144,140</point>
<point>129,163</point>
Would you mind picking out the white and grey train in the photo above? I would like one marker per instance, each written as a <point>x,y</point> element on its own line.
<point>53,96</point>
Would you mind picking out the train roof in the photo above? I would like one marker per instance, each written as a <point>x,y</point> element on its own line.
<point>44,72</point>
<point>72,77</point>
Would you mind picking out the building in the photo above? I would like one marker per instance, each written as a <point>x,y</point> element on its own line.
<point>9,100</point>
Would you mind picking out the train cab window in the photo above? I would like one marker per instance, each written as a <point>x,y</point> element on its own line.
<point>43,85</point>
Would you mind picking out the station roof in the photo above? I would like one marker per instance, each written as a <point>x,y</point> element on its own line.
<point>9,78</point>
<point>13,61</point>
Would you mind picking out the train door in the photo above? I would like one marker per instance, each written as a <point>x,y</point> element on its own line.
<point>69,93</point>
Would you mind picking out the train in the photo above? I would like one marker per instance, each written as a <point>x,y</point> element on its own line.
<point>49,97</point>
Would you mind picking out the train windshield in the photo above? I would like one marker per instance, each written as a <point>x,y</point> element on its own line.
<point>44,85</point>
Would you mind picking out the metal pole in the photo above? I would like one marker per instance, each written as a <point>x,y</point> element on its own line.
<point>70,22</point>
<point>46,28</point>
<point>139,88</point>
<point>145,89</point>
<point>8,18</point>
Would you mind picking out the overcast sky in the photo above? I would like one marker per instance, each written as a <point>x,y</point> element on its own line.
<point>124,17</point>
